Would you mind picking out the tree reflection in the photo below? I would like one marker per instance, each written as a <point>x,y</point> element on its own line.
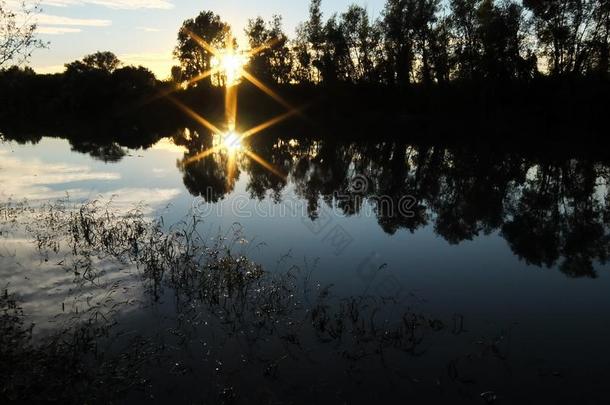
<point>106,152</point>
<point>560,216</point>
<point>208,178</point>
<point>550,213</point>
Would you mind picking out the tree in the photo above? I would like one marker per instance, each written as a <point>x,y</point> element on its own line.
<point>274,60</point>
<point>17,36</point>
<point>334,64</point>
<point>398,41</point>
<point>281,57</point>
<point>314,29</point>
<point>101,62</point>
<point>193,57</point>
<point>258,37</point>
<point>105,61</point>
<point>302,66</point>
<point>439,54</point>
<point>488,40</point>
<point>177,74</point>
<point>466,51</point>
<point>601,42</point>
<point>424,21</point>
<point>499,28</point>
<point>408,26</point>
<point>363,40</point>
<point>568,31</point>
<point>133,81</point>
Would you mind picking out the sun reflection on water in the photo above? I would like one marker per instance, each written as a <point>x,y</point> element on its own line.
<point>230,142</point>
<point>229,67</point>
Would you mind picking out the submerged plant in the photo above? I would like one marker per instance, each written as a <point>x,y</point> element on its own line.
<point>222,300</point>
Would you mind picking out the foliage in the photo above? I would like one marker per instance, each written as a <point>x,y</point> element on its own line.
<point>274,60</point>
<point>17,32</point>
<point>195,59</point>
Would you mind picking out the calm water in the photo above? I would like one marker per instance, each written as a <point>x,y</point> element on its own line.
<point>507,249</point>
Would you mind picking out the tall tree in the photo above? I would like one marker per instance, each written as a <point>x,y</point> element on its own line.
<point>17,37</point>
<point>439,55</point>
<point>274,60</point>
<point>258,38</point>
<point>334,65</point>
<point>193,57</point>
<point>315,31</point>
<point>467,50</point>
<point>302,67</point>
<point>363,40</point>
<point>500,29</point>
<point>424,22</point>
<point>281,57</point>
<point>567,31</point>
<point>398,40</point>
<point>408,26</point>
<point>600,43</point>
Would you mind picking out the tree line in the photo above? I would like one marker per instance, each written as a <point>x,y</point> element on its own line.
<point>412,41</point>
<point>480,62</point>
<point>95,84</point>
<point>417,41</point>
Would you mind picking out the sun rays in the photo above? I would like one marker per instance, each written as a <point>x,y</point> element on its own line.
<point>230,66</point>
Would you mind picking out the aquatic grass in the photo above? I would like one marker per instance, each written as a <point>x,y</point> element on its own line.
<point>68,366</point>
<point>273,317</point>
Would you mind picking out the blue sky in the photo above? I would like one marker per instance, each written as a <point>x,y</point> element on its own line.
<point>144,31</point>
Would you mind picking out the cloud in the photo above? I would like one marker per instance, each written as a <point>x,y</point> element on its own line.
<point>57,25</point>
<point>57,30</point>
<point>47,19</point>
<point>114,4</point>
<point>148,29</point>
<point>36,180</point>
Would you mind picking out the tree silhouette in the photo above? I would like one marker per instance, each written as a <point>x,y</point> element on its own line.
<point>362,41</point>
<point>195,59</point>
<point>274,61</point>
<point>601,41</point>
<point>18,32</point>
<point>568,31</point>
<point>314,31</point>
<point>101,62</point>
<point>303,64</point>
<point>106,61</point>
<point>398,40</point>
<point>501,33</point>
<point>208,177</point>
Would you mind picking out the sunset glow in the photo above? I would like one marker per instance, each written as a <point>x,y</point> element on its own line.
<point>230,64</point>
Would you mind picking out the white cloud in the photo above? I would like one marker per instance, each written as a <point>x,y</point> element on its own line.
<point>114,4</point>
<point>148,29</point>
<point>57,30</point>
<point>47,19</point>
<point>57,25</point>
<point>36,180</point>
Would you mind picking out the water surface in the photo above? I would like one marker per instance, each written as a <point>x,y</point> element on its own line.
<point>503,247</point>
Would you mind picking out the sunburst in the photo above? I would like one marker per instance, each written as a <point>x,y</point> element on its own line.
<point>231,65</point>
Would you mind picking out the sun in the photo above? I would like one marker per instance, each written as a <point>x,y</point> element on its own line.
<point>231,65</point>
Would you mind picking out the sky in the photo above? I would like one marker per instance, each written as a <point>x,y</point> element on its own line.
<point>143,32</point>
